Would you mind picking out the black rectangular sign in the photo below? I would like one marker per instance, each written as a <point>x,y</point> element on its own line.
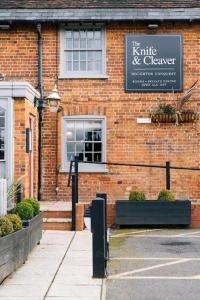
<point>153,63</point>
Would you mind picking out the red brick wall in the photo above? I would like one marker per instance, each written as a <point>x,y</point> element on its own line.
<point>127,141</point>
<point>23,110</point>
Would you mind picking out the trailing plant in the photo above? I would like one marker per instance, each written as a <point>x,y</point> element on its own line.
<point>15,220</point>
<point>6,226</point>
<point>24,210</point>
<point>166,195</point>
<point>136,195</point>
<point>177,110</point>
<point>12,192</point>
<point>35,205</point>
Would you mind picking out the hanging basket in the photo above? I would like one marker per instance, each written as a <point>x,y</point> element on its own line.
<point>184,117</point>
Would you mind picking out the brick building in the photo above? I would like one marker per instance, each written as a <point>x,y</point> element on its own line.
<point>104,112</point>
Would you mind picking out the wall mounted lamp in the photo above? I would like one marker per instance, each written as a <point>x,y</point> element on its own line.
<point>52,100</point>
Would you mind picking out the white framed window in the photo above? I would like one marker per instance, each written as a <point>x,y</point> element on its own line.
<point>83,53</point>
<point>85,137</point>
<point>2,133</point>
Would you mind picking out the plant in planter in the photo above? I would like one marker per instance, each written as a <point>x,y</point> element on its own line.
<point>137,196</point>
<point>24,210</point>
<point>166,195</point>
<point>163,211</point>
<point>16,221</point>
<point>167,113</point>
<point>35,205</point>
<point>6,226</point>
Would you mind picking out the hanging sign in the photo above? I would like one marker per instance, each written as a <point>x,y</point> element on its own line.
<point>153,63</point>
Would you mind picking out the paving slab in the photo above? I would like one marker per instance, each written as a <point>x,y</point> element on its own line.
<point>59,268</point>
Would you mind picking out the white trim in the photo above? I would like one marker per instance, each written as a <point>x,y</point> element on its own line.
<point>94,168</point>
<point>18,89</point>
<point>87,74</point>
<point>7,104</point>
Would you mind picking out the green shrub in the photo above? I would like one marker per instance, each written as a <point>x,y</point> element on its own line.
<point>0,233</point>
<point>16,221</point>
<point>166,195</point>
<point>24,210</point>
<point>6,226</point>
<point>137,196</point>
<point>35,204</point>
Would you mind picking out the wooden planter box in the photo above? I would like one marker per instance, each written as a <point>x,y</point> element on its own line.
<point>35,230</point>
<point>154,212</point>
<point>14,249</point>
<point>187,117</point>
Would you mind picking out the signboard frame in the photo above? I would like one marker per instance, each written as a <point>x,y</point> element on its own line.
<point>154,89</point>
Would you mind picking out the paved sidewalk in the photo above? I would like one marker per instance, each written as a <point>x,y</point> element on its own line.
<point>60,268</point>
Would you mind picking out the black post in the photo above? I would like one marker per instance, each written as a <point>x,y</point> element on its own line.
<point>76,175</point>
<point>98,237</point>
<point>168,175</point>
<point>104,196</point>
<point>73,203</point>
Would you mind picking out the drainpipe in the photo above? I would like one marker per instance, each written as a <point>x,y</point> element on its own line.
<point>41,106</point>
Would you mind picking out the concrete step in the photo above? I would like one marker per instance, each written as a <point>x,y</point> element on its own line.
<point>57,214</point>
<point>57,224</point>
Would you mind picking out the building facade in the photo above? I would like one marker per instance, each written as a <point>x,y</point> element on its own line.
<point>104,114</point>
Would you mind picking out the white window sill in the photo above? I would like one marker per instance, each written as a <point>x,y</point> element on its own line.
<point>84,77</point>
<point>87,169</point>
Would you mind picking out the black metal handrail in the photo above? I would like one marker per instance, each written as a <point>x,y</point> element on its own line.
<point>74,163</point>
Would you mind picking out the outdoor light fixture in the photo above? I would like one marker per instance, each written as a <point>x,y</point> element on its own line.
<point>152,26</point>
<point>53,100</point>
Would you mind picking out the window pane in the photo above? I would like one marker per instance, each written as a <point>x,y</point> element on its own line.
<point>88,146</point>
<point>70,134</point>
<point>76,34</point>
<point>75,43</point>
<point>83,65</point>
<point>69,55</point>
<point>82,34</point>
<point>68,34</point>
<point>75,65</point>
<point>69,43</point>
<point>80,156</point>
<point>79,131</point>
<point>70,156</point>
<point>1,144</point>
<point>97,34</point>
<point>2,122</point>
<point>76,55</point>
<point>69,66</point>
<point>88,156</point>
<point>83,43</point>
<point>83,55</point>
<point>2,133</point>
<point>71,147</point>
<point>79,148</point>
<point>97,147</point>
<point>97,135</point>
<point>97,157</point>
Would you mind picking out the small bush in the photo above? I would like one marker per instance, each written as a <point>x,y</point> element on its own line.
<point>166,195</point>
<point>0,233</point>
<point>24,210</point>
<point>16,221</point>
<point>137,196</point>
<point>35,204</point>
<point>6,226</point>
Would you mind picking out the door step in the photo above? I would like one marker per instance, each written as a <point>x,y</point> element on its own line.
<point>57,223</point>
<point>56,215</point>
